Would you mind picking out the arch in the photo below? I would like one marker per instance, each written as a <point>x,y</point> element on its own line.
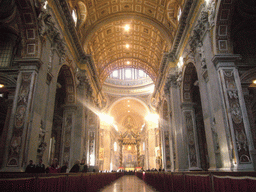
<point>189,78</point>
<point>7,80</point>
<point>128,106</point>
<point>127,98</point>
<point>243,31</point>
<point>68,78</point>
<point>247,79</point>
<point>134,64</point>
<point>191,95</point>
<point>248,76</point>
<point>222,38</point>
<point>65,96</point>
<point>27,21</point>
<point>9,41</point>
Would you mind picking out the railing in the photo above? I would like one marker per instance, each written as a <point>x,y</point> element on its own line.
<point>74,182</point>
<point>200,181</point>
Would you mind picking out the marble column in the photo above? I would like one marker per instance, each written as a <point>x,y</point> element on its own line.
<point>5,129</point>
<point>152,148</point>
<point>166,150</point>
<point>81,117</point>
<point>68,139</point>
<point>180,152</point>
<point>138,153</point>
<point>120,143</point>
<point>107,151</point>
<point>211,128</point>
<point>167,133</point>
<point>19,130</point>
<point>237,126</point>
<point>249,106</point>
<point>190,135</point>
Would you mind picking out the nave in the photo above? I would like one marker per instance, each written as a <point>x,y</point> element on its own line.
<point>128,183</point>
<point>129,85</point>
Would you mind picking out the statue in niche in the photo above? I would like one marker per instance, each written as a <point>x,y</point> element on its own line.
<point>42,16</point>
<point>200,50</point>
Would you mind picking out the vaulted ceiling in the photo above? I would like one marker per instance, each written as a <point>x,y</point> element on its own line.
<point>129,114</point>
<point>152,23</point>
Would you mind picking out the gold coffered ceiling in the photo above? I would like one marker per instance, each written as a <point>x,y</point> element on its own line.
<point>146,46</point>
<point>153,24</point>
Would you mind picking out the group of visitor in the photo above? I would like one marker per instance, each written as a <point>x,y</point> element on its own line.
<point>79,167</point>
<point>32,168</point>
<point>55,168</point>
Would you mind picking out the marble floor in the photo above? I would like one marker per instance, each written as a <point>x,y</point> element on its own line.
<point>129,183</point>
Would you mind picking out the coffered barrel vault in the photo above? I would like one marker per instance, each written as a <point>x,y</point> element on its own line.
<point>146,47</point>
<point>152,29</point>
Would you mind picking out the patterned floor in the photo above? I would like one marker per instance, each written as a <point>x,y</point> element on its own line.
<point>128,183</point>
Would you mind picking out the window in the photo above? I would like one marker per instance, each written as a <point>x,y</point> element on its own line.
<point>179,14</point>
<point>141,73</point>
<point>128,74</point>
<point>115,146</point>
<point>115,74</point>
<point>74,15</point>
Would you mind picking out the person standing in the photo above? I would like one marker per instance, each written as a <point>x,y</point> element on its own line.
<point>54,168</point>
<point>30,168</point>
<point>83,166</point>
<point>64,168</point>
<point>75,168</point>
<point>40,167</point>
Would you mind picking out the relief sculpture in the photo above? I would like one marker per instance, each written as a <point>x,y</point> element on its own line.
<point>235,112</point>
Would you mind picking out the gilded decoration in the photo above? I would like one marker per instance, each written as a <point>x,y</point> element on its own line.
<point>153,25</point>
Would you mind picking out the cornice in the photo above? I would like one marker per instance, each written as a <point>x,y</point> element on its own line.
<point>226,60</point>
<point>63,8</point>
<point>28,63</point>
<point>162,72</point>
<point>171,56</point>
<point>182,25</point>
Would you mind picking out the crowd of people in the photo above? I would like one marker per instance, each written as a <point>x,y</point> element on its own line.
<point>55,168</point>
